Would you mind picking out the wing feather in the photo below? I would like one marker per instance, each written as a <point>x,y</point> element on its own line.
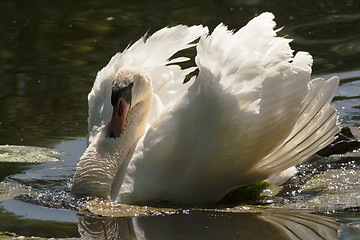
<point>315,128</point>
<point>251,95</point>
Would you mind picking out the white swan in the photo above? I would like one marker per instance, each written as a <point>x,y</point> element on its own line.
<point>251,113</point>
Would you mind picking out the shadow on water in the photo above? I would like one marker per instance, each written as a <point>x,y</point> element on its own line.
<point>7,169</point>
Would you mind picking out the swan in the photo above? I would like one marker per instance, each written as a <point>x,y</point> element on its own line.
<point>252,113</point>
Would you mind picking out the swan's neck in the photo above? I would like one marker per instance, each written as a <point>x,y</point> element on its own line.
<point>104,157</point>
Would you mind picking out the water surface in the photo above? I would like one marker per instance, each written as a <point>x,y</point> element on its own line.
<point>51,52</point>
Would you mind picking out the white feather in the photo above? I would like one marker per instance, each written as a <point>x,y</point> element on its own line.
<point>246,101</point>
<point>251,113</point>
<point>315,128</point>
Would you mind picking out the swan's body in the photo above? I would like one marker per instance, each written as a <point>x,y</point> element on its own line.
<point>251,114</point>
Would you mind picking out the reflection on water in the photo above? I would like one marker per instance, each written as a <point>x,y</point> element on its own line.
<point>49,58</point>
<point>32,211</point>
<point>43,223</point>
<point>207,225</point>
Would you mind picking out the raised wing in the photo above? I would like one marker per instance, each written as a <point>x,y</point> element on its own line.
<point>250,96</point>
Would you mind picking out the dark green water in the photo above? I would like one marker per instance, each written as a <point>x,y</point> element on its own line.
<point>50,53</point>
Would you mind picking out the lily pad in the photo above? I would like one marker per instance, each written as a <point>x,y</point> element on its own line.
<point>106,208</point>
<point>112,209</point>
<point>333,181</point>
<point>335,189</point>
<point>12,190</point>
<point>27,154</point>
<point>249,194</point>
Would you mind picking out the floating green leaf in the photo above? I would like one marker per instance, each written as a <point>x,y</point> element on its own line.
<point>113,209</point>
<point>333,181</point>
<point>251,194</point>
<point>108,208</point>
<point>27,154</point>
<point>335,189</point>
<point>12,190</point>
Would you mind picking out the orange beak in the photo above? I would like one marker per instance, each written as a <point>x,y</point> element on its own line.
<point>120,112</point>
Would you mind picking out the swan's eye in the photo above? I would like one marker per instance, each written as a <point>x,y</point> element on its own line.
<point>121,93</point>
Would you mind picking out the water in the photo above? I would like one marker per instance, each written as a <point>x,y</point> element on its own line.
<point>50,54</point>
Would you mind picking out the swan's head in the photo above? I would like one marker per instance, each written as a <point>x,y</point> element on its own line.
<point>130,87</point>
<point>105,155</point>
